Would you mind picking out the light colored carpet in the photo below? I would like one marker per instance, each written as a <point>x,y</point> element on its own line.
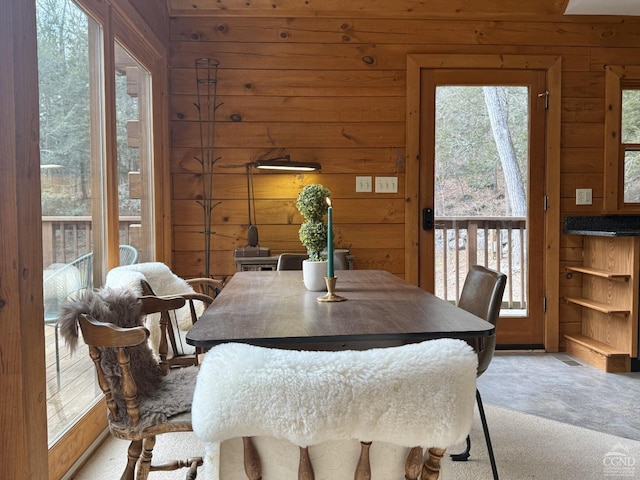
<point>526,447</point>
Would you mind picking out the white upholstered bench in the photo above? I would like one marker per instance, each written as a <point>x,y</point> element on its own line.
<point>414,396</point>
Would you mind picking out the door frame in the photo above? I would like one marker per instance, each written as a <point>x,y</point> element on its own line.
<point>414,100</point>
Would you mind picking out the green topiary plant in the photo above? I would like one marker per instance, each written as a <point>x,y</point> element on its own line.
<point>312,205</point>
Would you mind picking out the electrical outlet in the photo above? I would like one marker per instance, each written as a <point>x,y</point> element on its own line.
<point>386,184</point>
<point>584,196</point>
<point>363,184</point>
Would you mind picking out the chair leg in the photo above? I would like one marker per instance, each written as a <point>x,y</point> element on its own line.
<point>462,456</point>
<point>192,473</point>
<point>487,438</point>
<point>133,454</point>
<point>144,465</point>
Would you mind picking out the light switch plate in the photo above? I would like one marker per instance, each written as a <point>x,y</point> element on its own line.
<point>386,184</point>
<point>584,196</point>
<point>363,184</point>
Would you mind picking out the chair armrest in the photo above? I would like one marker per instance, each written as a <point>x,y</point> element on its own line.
<point>104,334</point>
<point>207,286</point>
<point>164,303</point>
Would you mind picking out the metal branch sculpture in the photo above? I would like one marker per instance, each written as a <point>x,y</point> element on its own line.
<point>207,90</point>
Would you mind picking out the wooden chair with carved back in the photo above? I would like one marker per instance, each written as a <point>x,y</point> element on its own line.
<point>420,395</point>
<point>171,349</point>
<point>132,415</point>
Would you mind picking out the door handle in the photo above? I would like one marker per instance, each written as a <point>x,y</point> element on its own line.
<point>427,219</point>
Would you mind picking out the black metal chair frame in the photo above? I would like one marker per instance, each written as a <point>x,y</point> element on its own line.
<point>484,301</point>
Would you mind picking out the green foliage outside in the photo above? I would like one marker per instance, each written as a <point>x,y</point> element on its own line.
<point>469,179</point>
<point>65,149</point>
<point>631,135</point>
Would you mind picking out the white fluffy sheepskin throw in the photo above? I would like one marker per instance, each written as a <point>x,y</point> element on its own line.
<point>414,395</point>
<point>163,282</point>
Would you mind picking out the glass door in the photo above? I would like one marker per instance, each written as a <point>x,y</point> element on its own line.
<point>97,177</point>
<point>486,189</point>
<point>71,152</point>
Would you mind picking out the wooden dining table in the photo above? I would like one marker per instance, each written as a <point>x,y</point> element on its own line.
<point>274,309</point>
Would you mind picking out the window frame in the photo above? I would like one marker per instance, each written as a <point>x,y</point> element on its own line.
<point>617,78</point>
<point>122,23</point>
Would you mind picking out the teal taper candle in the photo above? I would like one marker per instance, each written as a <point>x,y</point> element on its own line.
<point>329,239</point>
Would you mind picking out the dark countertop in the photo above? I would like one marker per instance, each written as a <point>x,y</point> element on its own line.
<point>604,225</point>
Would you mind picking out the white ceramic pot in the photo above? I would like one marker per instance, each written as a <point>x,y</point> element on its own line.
<point>313,274</point>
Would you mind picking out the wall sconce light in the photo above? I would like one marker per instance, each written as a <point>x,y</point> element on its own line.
<point>286,164</point>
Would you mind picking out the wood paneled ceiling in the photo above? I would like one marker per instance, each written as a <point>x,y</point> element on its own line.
<point>494,9</point>
<point>453,9</point>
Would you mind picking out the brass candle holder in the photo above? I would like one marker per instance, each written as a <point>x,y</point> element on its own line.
<point>331,289</point>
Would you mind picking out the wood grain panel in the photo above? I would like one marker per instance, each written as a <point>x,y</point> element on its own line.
<point>361,161</point>
<point>285,237</point>
<point>302,56</point>
<point>375,8</point>
<point>155,15</point>
<point>23,416</point>
<point>571,254</point>
<point>225,237</point>
<point>190,264</point>
<point>571,241</point>
<point>581,135</point>
<point>571,181</point>
<point>577,160</point>
<point>583,85</point>
<point>390,259</point>
<point>274,186</point>
<point>312,82</point>
<point>601,57</point>
<point>585,110</point>
<point>284,134</point>
<point>293,109</point>
<point>368,30</point>
<point>294,56</point>
<point>569,207</point>
<point>284,212</point>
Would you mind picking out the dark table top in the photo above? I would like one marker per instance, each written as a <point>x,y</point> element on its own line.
<point>603,225</point>
<point>274,309</point>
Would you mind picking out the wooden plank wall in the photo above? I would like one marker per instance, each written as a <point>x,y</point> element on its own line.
<point>333,90</point>
<point>23,416</point>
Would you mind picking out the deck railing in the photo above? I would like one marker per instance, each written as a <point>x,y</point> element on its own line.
<point>495,242</point>
<point>499,243</point>
<point>65,238</point>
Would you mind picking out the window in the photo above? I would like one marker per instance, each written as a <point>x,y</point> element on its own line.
<point>102,175</point>
<point>622,139</point>
<point>630,144</point>
<point>134,153</point>
<point>71,154</point>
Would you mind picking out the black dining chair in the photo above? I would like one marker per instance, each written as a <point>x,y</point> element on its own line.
<point>482,295</point>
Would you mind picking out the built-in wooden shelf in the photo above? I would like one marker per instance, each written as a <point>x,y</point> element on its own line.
<point>596,272</point>
<point>598,306</point>
<point>597,353</point>
<point>609,282</point>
